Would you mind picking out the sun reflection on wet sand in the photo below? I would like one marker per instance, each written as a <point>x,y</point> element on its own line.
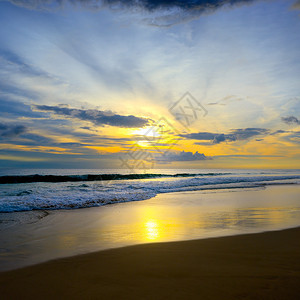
<point>152,230</point>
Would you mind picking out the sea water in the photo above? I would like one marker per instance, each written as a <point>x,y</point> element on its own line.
<point>48,189</point>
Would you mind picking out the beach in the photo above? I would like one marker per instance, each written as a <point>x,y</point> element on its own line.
<point>251,266</point>
<point>32,237</point>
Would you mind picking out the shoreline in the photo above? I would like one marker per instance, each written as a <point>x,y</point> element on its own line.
<point>97,198</point>
<point>166,218</point>
<point>248,266</point>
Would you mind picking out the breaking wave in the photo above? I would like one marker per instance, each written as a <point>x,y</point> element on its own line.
<point>46,192</point>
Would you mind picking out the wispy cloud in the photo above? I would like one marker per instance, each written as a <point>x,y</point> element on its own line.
<point>96,116</point>
<point>292,137</point>
<point>226,100</point>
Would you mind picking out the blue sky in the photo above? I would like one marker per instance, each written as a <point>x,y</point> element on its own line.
<point>125,62</point>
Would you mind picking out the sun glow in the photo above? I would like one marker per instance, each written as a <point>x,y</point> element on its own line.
<point>152,229</point>
<point>148,132</point>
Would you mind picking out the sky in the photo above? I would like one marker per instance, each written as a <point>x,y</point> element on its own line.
<point>150,84</point>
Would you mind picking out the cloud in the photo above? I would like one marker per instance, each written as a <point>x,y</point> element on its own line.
<point>278,132</point>
<point>292,136</point>
<point>8,130</point>
<point>183,156</point>
<point>162,12</point>
<point>243,134</point>
<point>245,156</point>
<point>296,5</point>
<point>226,100</point>
<point>234,135</point>
<point>87,128</point>
<point>96,116</point>
<point>200,136</point>
<point>150,5</point>
<point>290,120</point>
<point>214,103</point>
<point>200,5</point>
<point>11,108</point>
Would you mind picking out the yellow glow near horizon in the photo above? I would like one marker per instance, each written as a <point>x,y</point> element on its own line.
<point>149,132</point>
<point>144,144</point>
<point>45,149</point>
<point>22,158</point>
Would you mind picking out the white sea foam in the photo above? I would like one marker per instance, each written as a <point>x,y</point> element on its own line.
<point>70,195</point>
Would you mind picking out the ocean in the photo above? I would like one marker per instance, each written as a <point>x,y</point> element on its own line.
<point>54,189</point>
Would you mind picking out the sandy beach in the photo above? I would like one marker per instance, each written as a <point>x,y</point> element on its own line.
<point>39,236</point>
<point>251,266</point>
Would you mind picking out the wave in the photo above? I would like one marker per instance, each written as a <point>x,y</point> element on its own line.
<point>93,177</point>
<point>48,196</point>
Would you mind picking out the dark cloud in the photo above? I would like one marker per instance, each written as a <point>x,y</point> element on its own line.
<point>204,136</point>
<point>234,135</point>
<point>161,12</point>
<point>279,131</point>
<point>171,12</point>
<point>9,130</point>
<point>183,156</point>
<point>243,134</point>
<point>86,128</point>
<point>291,120</point>
<point>296,5</point>
<point>200,5</point>
<point>219,138</point>
<point>96,116</point>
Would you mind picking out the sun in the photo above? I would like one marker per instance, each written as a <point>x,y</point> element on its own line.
<point>149,132</point>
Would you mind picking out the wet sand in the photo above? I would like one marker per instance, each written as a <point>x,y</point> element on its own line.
<point>251,266</point>
<point>166,218</point>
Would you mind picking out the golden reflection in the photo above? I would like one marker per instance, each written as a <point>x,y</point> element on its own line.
<point>67,241</point>
<point>152,230</point>
<point>154,226</point>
